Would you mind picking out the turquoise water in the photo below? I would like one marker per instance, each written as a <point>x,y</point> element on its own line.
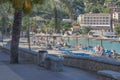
<point>107,44</point>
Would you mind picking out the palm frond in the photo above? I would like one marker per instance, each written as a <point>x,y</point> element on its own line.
<point>4,1</point>
<point>68,5</point>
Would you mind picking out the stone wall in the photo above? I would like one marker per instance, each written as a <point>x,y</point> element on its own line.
<point>108,75</point>
<point>54,63</point>
<point>92,63</point>
<point>48,61</point>
<point>30,56</point>
<point>5,50</point>
<point>51,62</point>
<point>105,78</point>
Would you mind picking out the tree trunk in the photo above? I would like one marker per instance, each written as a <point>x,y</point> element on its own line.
<point>15,37</point>
<point>56,20</point>
<point>28,36</point>
<point>2,36</point>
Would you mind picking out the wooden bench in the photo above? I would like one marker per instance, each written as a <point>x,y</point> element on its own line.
<point>108,75</point>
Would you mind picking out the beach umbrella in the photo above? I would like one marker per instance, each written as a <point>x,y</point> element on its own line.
<point>76,41</point>
<point>87,38</point>
<point>75,37</point>
<point>40,35</point>
<point>101,40</point>
<point>55,36</point>
<point>68,39</point>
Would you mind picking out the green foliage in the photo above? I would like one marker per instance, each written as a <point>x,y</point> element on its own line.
<point>106,10</point>
<point>77,7</point>
<point>75,23</point>
<point>95,1</point>
<point>97,6</point>
<point>38,1</point>
<point>4,24</point>
<point>66,25</point>
<point>53,9</point>
<point>85,30</point>
<point>28,21</point>
<point>6,9</point>
<point>95,10</point>
<point>118,3</point>
<point>81,31</point>
<point>91,8</point>
<point>3,1</point>
<point>50,24</point>
<point>117,30</point>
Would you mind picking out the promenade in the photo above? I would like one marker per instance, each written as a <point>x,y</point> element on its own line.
<point>27,71</point>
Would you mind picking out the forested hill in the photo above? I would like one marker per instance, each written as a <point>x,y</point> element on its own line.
<point>94,6</point>
<point>97,6</point>
<point>78,7</point>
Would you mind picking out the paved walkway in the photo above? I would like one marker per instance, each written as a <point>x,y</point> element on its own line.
<point>24,71</point>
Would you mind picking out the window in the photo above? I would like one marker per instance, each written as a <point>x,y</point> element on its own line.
<point>106,17</point>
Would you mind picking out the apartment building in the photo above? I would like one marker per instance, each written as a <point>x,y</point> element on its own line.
<point>96,21</point>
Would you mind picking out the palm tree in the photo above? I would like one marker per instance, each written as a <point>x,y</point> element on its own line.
<point>55,10</point>
<point>4,22</point>
<point>4,18</point>
<point>20,7</point>
<point>26,25</point>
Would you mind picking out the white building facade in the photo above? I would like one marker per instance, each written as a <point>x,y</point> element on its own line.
<point>96,21</point>
<point>116,19</point>
<point>116,16</point>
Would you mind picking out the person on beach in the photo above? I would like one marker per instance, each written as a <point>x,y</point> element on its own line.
<point>102,50</point>
<point>112,53</point>
<point>79,46</point>
<point>34,42</point>
<point>97,48</point>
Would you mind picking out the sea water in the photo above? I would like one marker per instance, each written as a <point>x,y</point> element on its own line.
<point>107,44</point>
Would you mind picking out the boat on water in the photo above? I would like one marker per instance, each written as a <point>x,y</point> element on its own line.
<point>105,35</point>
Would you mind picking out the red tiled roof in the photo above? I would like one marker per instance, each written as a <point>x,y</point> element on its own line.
<point>76,27</point>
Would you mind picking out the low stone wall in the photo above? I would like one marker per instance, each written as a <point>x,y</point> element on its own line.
<point>108,75</point>
<point>92,63</point>
<point>52,62</point>
<point>30,56</point>
<point>48,61</point>
<point>6,50</point>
